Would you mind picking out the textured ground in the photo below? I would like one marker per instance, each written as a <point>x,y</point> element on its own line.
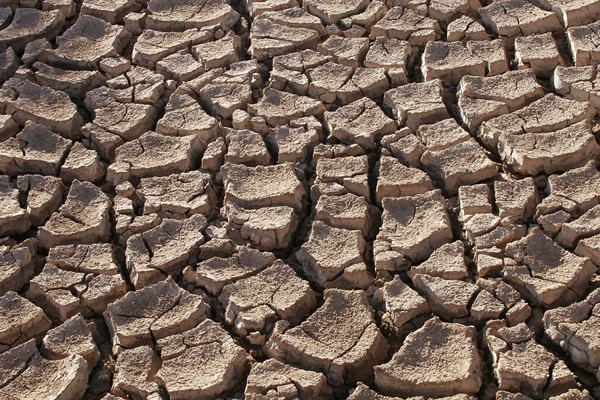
<point>312,199</point>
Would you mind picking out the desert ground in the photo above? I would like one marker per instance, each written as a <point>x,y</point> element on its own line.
<point>299,199</point>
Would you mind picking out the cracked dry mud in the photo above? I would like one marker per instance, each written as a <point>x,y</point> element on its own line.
<point>299,199</point>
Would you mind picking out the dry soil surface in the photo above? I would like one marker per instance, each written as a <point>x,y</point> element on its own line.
<point>299,199</point>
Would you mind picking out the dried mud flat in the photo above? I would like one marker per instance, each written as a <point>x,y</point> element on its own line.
<point>299,199</point>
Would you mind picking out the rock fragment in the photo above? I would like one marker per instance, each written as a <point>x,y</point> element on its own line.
<point>14,219</point>
<point>474,199</point>
<point>85,43</point>
<point>441,135</point>
<point>451,364</point>
<point>212,159</point>
<point>294,142</point>
<point>29,24</point>
<point>267,228</point>
<point>252,305</point>
<point>572,328</point>
<point>74,83</point>
<point>104,142</point>
<point>9,62</point>
<point>486,306</point>
<point>35,150</point>
<point>5,16</point>
<point>29,102</point>
<point>181,66</point>
<point>363,392</point>
<point>480,99</point>
<point>393,55</point>
<point>582,43</point>
<point>83,218</point>
<point>8,127</point>
<point>260,186</point>
<point>220,53</point>
<point>21,320</point>
<point>96,258</point>
<point>15,360</point>
<point>52,290</point>
<point>279,108</point>
<point>246,147</point>
<point>185,14</point>
<point>60,379</point>
<point>584,226</point>
<point>114,66</point>
<point>518,18</point>
<point>258,7</point>
<point>546,273</point>
<point>17,266</point>
<point>397,180</point>
<point>135,372</point>
<point>401,303</point>
<point>485,231</point>
<point>464,163</point>
<point>70,283</point>
<point>283,378</point>
<point>573,191</point>
<point>217,361</point>
<point>134,119</point>
<point>550,113</point>
<point>346,211</point>
<point>72,337</point>
<point>447,298</point>
<point>492,52</point>
<point>572,13</point>
<point>164,250</point>
<point>152,46</point>
<point>112,12</point>
<point>279,32</point>
<point>516,199</point>
<point>153,313</point>
<point>346,358</point>
<point>341,175</point>
<point>447,262</point>
<point>333,82</point>
<point>552,223</point>
<point>416,104</point>
<point>450,61</point>
<point>465,28</point>
<point>446,11</point>
<point>154,154</point>
<point>224,92</point>
<point>561,150</point>
<point>184,116</point>
<point>532,380</point>
<point>345,51</point>
<point>333,257</point>
<point>588,247</point>
<point>361,122</point>
<point>216,272</point>
<point>82,164</point>
<point>404,24</point>
<point>178,195</point>
<point>538,52</point>
<point>577,83</point>
<point>412,228</point>
<point>289,70</point>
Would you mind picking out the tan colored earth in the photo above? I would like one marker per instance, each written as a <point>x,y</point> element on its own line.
<point>299,199</point>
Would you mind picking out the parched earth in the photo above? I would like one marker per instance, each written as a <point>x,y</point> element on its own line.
<point>299,199</point>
